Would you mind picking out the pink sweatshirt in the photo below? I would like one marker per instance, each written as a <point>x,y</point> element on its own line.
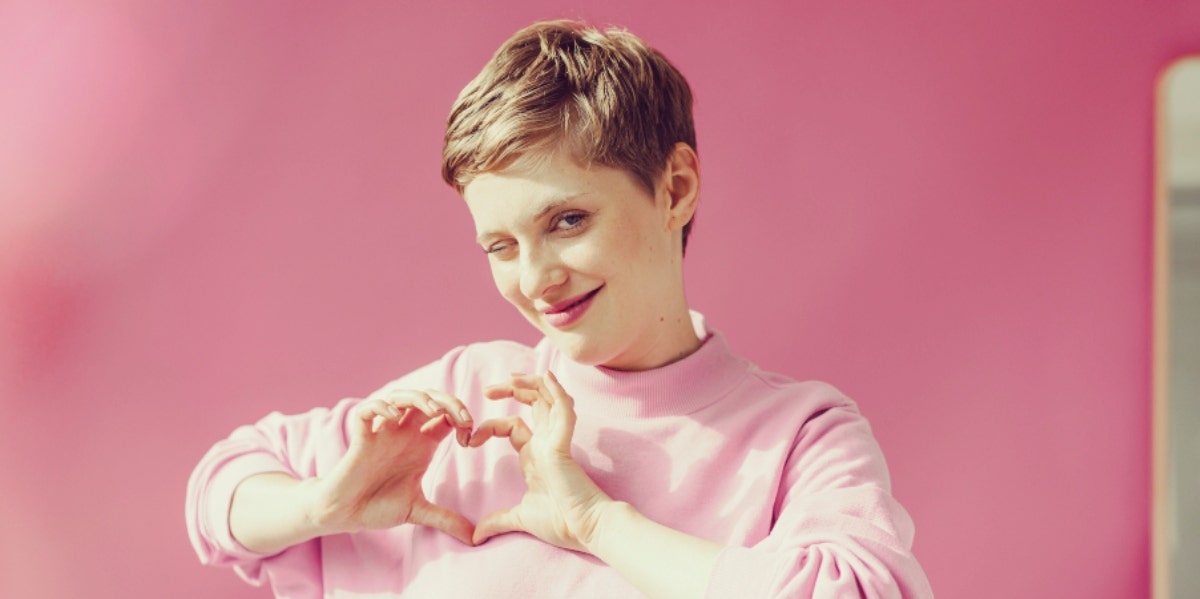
<point>786,475</point>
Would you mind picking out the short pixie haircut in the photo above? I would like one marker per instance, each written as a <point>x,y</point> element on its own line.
<point>606,96</point>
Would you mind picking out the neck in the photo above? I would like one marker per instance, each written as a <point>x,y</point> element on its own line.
<point>670,339</point>
<point>682,387</point>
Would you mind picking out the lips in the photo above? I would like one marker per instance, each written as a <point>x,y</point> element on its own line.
<point>570,310</point>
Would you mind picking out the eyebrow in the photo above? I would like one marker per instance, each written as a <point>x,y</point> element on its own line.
<point>547,209</point>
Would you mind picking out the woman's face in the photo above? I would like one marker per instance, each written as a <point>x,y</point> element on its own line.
<point>588,256</point>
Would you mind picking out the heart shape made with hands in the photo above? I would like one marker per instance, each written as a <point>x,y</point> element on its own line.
<point>399,430</point>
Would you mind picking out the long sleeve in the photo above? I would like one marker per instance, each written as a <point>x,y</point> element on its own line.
<point>303,446</point>
<point>277,443</point>
<point>836,531</point>
<point>786,474</point>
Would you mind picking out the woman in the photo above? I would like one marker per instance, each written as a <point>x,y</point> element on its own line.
<point>641,455</point>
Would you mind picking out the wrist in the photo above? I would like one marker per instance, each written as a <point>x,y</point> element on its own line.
<point>611,516</point>
<point>271,512</point>
<point>319,515</point>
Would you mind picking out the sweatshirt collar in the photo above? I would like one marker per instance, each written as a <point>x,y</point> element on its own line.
<point>681,387</point>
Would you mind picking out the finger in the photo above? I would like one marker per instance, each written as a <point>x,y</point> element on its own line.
<point>498,391</point>
<point>541,414</point>
<point>525,381</point>
<point>373,416</point>
<point>432,426</point>
<point>527,396</point>
<point>408,398</point>
<point>561,413</point>
<point>513,427</point>
<point>506,391</point>
<point>495,523</point>
<point>370,409</point>
<point>531,385</point>
<point>452,406</point>
<point>455,412</point>
<point>446,520</point>
<point>556,391</point>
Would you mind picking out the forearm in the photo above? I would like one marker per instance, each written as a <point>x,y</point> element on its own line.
<point>660,561</point>
<point>269,513</point>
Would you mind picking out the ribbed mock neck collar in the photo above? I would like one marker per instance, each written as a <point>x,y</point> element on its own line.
<point>681,387</point>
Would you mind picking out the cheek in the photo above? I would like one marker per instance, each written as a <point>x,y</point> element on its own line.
<point>594,259</point>
<point>507,283</point>
<point>614,247</point>
<point>634,245</point>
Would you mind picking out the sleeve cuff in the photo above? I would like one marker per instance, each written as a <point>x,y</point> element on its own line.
<point>220,498</point>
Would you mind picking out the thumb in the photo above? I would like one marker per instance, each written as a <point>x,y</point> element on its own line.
<point>444,519</point>
<point>496,523</point>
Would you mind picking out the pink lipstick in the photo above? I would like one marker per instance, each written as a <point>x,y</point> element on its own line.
<point>567,312</point>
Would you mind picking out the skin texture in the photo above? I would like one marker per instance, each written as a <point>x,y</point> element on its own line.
<point>554,230</point>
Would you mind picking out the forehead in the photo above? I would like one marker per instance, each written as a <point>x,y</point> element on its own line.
<point>527,188</point>
<point>535,174</point>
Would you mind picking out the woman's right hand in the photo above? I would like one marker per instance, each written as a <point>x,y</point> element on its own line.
<point>377,484</point>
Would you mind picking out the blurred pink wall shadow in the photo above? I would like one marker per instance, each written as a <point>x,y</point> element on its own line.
<point>211,212</point>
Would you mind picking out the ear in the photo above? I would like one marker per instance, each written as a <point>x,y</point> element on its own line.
<point>681,184</point>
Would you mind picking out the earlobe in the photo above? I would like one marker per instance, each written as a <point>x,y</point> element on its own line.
<point>682,178</point>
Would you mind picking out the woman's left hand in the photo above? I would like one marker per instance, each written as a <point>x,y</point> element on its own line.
<point>562,505</point>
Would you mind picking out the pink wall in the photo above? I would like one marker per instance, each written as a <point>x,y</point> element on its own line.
<point>212,212</point>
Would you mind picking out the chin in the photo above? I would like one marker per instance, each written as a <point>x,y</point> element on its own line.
<point>580,349</point>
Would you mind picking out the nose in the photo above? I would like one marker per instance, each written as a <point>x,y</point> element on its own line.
<point>541,271</point>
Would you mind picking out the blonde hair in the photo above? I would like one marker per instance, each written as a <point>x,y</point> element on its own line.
<point>605,96</point>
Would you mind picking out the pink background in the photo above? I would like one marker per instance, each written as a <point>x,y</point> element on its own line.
<point>210,212</point>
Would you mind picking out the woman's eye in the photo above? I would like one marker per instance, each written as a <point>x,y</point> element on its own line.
<point>569,221</point>
<point>498,249</point>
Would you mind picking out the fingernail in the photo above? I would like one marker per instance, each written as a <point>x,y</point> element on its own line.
<point>464,415</point>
